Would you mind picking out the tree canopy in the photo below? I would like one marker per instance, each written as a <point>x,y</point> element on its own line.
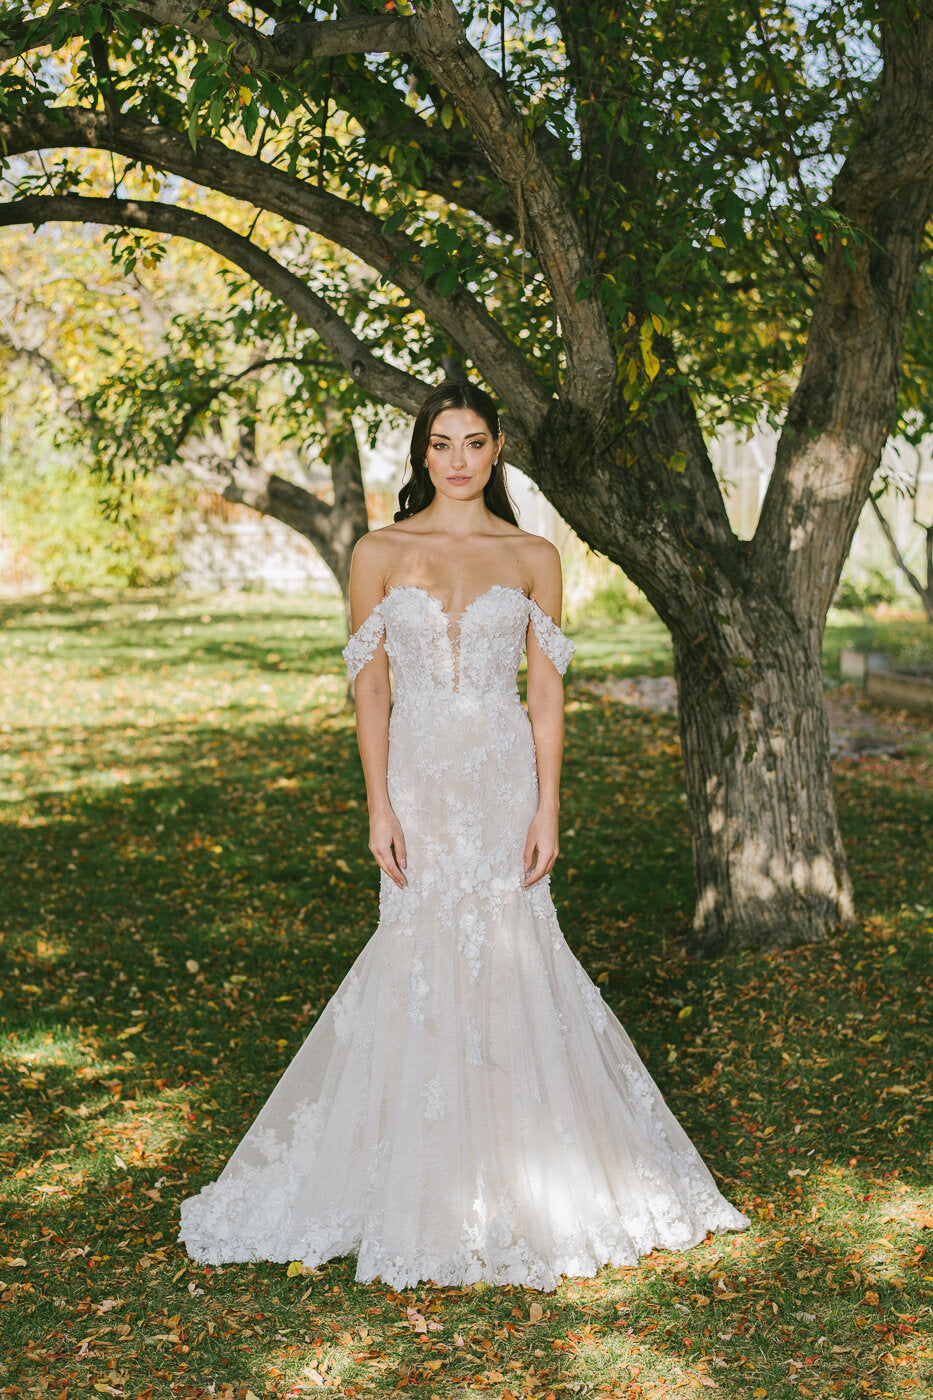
<point>629,221</point>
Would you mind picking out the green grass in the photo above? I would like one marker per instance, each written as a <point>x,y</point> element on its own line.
<point>185,882</point>
<point>906,638</point>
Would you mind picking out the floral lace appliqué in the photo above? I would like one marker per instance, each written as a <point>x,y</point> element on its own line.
<point>362,645</point>
<point>466,1107</point>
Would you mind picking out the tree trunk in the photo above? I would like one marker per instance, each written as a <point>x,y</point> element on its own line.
<point>769,865</point>
<point>349,519</point>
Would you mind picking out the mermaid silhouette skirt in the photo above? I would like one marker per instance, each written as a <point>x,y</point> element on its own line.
<point>466,1106</point>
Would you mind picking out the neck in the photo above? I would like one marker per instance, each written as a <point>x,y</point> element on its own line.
<point>456,517</point>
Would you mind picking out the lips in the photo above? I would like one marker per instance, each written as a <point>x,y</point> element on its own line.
<point>458,480</point>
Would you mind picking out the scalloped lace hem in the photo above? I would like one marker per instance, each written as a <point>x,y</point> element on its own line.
<point>514,1264</point>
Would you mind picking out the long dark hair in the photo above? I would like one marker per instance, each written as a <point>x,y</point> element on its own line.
<point>418,490</point>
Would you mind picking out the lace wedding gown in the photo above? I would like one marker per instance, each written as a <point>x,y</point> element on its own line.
<point>466,1106</point>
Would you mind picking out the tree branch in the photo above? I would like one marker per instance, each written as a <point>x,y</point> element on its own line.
<point>264,186</point>
<point>289,46</point>
<point>213,391</point>
<point>443,48</point>
<point>373,376</point>
<point>266,492</point>
<point>331,530</point>
<point>925,594</point>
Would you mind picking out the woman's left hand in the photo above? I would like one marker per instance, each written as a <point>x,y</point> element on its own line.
<point>541,847</point>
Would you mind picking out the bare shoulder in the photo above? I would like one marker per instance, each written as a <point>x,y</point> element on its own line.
<point>542,565</point>
<point>374,551</point>
<point>541,558</point>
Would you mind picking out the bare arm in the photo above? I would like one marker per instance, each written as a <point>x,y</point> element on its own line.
<point>546,712</point>
<point>373,696</point>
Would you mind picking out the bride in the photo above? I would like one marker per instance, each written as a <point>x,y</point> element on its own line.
<point>466,1106</point>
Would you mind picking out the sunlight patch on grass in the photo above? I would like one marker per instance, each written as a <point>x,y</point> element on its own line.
<point>62,1046</point>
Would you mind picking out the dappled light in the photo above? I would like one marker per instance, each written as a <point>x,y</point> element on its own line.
<point>171,937</point>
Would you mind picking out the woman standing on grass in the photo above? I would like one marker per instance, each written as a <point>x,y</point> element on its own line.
<point>466,1106</point>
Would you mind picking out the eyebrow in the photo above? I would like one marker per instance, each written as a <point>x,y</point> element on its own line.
<point>481,433</point>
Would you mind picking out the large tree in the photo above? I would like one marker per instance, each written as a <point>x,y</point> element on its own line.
<point>628,220</point>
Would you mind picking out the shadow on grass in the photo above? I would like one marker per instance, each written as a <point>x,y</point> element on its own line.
<point>220,890</point>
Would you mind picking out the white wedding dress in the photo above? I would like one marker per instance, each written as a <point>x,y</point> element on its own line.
<point>466,1106</point>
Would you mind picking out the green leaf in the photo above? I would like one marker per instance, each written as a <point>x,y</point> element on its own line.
<point>193,130</point>
<point>447,116</point>
<point>434,259</point>
<point>730,744</point>
<point>394,222</point>
<point>447,281</point>
<point>249,119</point>
<point>678,462</point>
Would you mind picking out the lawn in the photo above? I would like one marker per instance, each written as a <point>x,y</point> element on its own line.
<point>185,882</point>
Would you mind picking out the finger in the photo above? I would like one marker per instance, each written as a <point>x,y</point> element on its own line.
<point>528,859</point>
<point>394,875</point>
<point>395,871</point>
<point>388,865</point>
<point>401,855</point>
<point>543,867</point>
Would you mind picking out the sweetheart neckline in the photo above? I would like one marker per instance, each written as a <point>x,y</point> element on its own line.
<point>458,617</point>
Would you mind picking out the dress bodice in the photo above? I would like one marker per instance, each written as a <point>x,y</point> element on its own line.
<point>477,654</point>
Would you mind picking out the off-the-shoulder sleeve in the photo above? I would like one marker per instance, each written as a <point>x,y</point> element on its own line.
<point>550,638</point>
<point>362,645</point>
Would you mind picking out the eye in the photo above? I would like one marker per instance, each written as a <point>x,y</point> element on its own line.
<point>478,443</point>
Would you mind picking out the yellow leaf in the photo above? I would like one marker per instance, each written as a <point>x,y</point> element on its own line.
<point>874,1039</point>
<point>603,977</point>
<point>246,96</point>
<point>433,1365</point>
<point>652,363</point>
<point>657,323</point>
<point>759,1393</point>
<point>296,1267</point>
<point>717,242</point>
<point>684,1012</point>
<point>535,1312</point>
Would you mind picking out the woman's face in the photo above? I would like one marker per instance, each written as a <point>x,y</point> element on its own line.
<point>461,451</point>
